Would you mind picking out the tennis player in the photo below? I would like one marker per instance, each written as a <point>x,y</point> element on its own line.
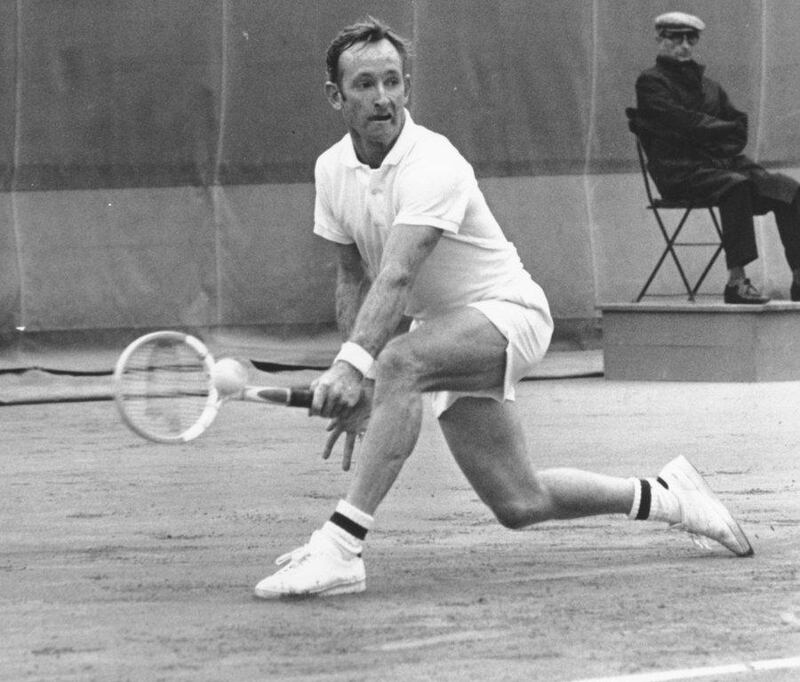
<point>415,236</point>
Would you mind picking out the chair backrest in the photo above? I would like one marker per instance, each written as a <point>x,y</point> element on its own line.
<point>645,175</point>
<point>631,114</point>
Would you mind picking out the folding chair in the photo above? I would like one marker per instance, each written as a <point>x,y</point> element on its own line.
<point>656,204</point>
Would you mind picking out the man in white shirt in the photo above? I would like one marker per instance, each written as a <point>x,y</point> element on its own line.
<point>414,236</point>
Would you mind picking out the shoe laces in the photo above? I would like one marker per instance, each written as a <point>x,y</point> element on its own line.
<point>293,558</point>
<point>748,288</point>
<point>698,540</point>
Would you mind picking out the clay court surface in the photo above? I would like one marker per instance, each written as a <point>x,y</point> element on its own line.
<point>125,560</point>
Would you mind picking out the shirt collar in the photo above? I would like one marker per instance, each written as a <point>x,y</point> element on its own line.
<point>403,143</point>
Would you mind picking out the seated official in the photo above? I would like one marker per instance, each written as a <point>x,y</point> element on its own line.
<point>694,137</point>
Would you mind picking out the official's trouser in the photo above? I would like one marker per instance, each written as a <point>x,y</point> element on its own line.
<point>737,208</point>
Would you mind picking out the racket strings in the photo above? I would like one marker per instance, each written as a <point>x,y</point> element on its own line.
<point>165,388</point>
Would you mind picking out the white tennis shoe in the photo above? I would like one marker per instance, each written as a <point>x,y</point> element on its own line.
<point>315,569</point>
<point>702,514</point>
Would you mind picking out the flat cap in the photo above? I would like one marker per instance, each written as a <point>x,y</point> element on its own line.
<point>679,22</point>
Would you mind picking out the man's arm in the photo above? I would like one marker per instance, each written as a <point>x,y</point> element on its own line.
<point>352,285</point>
<point>660,109</point>
<point>382,311</point>
<point>405,251</point>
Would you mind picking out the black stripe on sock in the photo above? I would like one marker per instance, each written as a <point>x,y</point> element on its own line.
<point>349,525</point>
<point>644,504</point>
<point>663,482</point>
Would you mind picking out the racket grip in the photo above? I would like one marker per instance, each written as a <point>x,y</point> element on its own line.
<point>297,396</point>
<point>300,397</point>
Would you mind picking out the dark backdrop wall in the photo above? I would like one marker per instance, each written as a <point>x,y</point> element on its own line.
<point>156,157</point>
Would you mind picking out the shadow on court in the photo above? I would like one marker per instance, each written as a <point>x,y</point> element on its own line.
<point>122,559</point>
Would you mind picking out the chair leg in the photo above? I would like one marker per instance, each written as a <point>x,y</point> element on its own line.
<point>669,250</point>
<point>716,222</point>
<point>652,276</point>
<point>714,257</point>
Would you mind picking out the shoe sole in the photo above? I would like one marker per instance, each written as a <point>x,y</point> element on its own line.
<point>688,477</point>
<point>346,588</point>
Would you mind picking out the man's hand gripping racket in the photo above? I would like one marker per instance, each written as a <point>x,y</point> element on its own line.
<point>342,395</point>
<point>168,389</point>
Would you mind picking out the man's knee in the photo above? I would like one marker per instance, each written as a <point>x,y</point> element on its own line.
<point>738,198</point>
<point>518,514</point>
<point>396,363</point>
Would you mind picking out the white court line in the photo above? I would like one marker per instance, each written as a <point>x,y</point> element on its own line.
<point>695,673</point>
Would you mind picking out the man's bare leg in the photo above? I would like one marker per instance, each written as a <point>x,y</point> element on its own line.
<point>461,351</point>
<point>392,434</point>
<point>487,441</point>
<point>503,475</point>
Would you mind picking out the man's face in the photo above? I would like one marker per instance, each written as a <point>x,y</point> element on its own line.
<point>678,45</point>
<point>372,94</point>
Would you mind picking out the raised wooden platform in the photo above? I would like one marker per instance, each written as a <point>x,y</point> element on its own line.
<point>701,341</point>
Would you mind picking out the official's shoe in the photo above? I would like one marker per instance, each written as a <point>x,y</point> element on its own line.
<point>315,569</point>
<point>702,514</point>
<point>794,292</point>
<point>744,292</point>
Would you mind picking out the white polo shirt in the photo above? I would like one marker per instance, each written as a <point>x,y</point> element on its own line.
<point>423,180</point>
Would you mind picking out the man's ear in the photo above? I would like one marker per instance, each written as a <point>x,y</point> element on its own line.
<point>334,95</point>
<point>407,82</point>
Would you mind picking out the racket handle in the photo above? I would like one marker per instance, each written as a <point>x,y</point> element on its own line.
<point>300,397</point>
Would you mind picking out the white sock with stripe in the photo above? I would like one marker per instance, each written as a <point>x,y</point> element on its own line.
<point>653,501</point>
<point>347,528</point>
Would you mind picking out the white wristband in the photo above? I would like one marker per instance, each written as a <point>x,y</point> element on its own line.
<point>355,355</point>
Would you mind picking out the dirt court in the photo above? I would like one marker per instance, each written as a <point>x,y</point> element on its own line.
<point>124,560</point>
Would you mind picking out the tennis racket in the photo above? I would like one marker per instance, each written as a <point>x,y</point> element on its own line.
<point>164,391</point>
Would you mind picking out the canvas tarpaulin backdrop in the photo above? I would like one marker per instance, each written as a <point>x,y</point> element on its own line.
<point>156,158</point>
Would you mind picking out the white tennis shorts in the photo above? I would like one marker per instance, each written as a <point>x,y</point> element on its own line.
<point>528,332</point>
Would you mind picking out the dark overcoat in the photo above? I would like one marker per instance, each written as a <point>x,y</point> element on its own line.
<point>693,136</point>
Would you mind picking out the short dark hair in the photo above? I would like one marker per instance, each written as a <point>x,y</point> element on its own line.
<point>369,30</point>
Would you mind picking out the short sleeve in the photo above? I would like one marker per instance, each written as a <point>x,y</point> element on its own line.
<point>435,194</point>
<point>325,223</point>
